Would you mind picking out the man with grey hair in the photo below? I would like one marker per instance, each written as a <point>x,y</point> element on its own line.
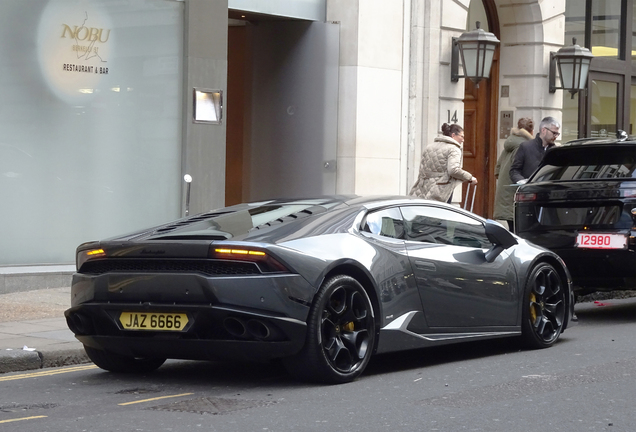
<point>530,153</point>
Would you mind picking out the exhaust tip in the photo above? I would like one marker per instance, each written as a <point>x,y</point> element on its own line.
<point>258,329</point>
<point>79,324</point>
<point>71,324</point>
<point>235,327</point>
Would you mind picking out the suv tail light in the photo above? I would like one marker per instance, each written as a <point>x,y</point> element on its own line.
<point>628,193</point>
<point>524,197</point>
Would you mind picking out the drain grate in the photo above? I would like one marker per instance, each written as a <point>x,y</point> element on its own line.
<point>211,405</point>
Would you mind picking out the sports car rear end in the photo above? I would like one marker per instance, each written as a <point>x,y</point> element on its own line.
<point>194,290</point>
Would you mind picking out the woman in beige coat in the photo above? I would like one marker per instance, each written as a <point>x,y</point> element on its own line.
<point>441,167</point>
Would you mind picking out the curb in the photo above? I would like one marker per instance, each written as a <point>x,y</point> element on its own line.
<point>30,278</point>
<point>20,360</point>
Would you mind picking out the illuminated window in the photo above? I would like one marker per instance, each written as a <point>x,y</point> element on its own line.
<point>633,49</point>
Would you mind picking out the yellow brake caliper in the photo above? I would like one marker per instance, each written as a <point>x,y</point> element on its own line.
<point>533,312</point>
<point>348,326</point>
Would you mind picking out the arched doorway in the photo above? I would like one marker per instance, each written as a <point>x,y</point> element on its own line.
<point>480,116</point>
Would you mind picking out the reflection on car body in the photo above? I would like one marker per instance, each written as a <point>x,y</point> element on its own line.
<point>321,283</point>
<point>581,203</point>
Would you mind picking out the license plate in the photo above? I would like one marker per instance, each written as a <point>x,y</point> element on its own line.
<point>601,241</point>
<point>153,321</point>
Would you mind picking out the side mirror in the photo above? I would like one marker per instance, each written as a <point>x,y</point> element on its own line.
<point>500,238</point>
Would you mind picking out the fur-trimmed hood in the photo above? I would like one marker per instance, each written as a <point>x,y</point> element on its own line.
<point>511,145</point>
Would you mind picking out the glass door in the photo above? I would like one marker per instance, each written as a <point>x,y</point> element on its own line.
<point>632,112</point>
<point>604,105</point>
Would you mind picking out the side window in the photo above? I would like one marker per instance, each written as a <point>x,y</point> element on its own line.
<point>438,225</point>
<point>387,223</point>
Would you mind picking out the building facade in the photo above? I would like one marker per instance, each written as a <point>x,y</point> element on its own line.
<point>106,105</point>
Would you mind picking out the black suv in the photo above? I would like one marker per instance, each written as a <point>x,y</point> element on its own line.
<point>581,204</point>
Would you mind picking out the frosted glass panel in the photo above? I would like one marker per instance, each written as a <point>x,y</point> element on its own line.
<point>574,22</point>
<point>606,22</point>
<point>90,122</point>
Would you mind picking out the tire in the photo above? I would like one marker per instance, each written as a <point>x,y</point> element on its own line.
<point>544,307</point>
<point>123,364</point>
<point>340,334</point>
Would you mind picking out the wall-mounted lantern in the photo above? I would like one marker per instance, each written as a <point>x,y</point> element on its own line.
<point>573,63</point>
<point>477,49</point>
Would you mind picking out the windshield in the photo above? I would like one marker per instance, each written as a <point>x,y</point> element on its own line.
<point>588,163</point>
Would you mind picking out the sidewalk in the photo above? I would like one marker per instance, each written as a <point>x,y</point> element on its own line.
<point>33,331</point>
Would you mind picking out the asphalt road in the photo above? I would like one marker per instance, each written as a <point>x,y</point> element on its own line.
<point>586,382</point>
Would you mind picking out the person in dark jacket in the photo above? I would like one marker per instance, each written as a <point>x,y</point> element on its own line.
<point>530,153</point>
<point>504,197</point>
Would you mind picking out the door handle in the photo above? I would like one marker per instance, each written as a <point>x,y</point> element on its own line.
<point>425,265</point>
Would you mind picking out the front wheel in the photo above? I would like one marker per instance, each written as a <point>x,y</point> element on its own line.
<point>118,363</point>
<point>340,334</point>
<point>544,307</point>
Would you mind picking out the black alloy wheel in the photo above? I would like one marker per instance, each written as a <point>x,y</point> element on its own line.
<point>544,307</point>
<point>340,334</point>
<point>118,363</point>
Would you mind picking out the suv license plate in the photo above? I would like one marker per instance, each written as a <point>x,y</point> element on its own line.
<point>601,241</point>
<point>153,321</point>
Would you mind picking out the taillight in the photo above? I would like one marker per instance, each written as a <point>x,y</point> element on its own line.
<point>265,261</point>
<point>87,255</point>
<point>223,252</point>
<point>524,197</point>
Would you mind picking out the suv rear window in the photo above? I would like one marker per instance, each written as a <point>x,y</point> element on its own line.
<point>588,162</point>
